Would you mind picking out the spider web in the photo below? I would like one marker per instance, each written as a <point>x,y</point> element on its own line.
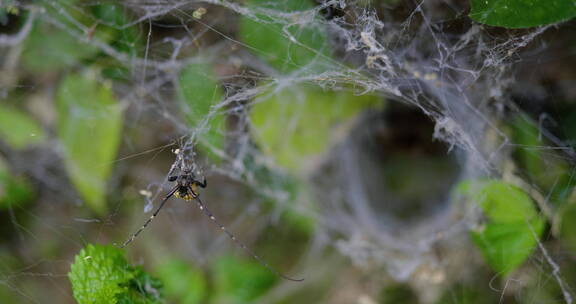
<point>457,81</point>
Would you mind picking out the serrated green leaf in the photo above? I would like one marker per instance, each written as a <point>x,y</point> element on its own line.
<point>99,274</point>
<point>238,281</point>
<point>183,283</point>
<point>14,190</point>
<point>522,13</point>
<point>297,122</point>
<point>19,130</point>
<point>513,225</point>
<point>199,92</point>
<point>89,125</point>
<point>267,39</point>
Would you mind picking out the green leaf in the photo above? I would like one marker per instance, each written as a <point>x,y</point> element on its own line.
<point>267,39</point>
<point>14,190</point>
<point>505,246</point>
<point>513,225</point>
<point>504,203</point>
<point>19,130</point>
<point>238,281</point>
<point>199,92</point>
<point>101,274</point>
<point>522,13</point>
<point>89,125</point>
<point>297,123</point>
<point>49,49</point>
<point>183,283</point>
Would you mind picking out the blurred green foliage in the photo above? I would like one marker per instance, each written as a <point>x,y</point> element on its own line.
<point>199,91</point>
<point>291,126</point>
<point>513,226</point>
<point>182,282</point>
<point>49,49</point>
<point>18,129</point>
<point>101,275</point>
<point>468,294</point>
<point>239,281</point>
<point>567,216</point>
<point>522,13</point>
<point>14,190</point>
<point>267,38</point>
<point>89,126</point>
<point>297,122</point>
<point>548,170</point>
<point>397,293</point>
<point>111,26</point>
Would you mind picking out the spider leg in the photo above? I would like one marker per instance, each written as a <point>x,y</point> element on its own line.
<point>134,235</point>
<point>204,183</point>
<point>262,262</point>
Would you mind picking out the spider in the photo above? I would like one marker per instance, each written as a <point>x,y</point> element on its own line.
<point>186,188</point>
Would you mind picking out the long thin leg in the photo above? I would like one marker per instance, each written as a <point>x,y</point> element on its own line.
<point>134,235</point>
<point>240,244</point>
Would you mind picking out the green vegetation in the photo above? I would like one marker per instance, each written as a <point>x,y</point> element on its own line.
<point>513,227</point>
<point>101,275</point>
<point>288,109</point>
<point>522,13</point>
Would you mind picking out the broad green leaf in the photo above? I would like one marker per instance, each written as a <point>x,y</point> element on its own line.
<point>49,49</point>
<point>199,92</point>
<point>101,275</point>
<point>506,246</point>
<point>513,225</point>
<point>522,13</point>
<point>297,122</point>
<point>503,202</point>
<point>89,126</point>
<point>237,281</point>
<point>14,190</point>
<point>183,283</point>
<point>18,129</point>
<point>266,37</point>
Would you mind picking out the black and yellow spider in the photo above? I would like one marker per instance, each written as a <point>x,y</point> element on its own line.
<point>186,185</point>
<point>186,188</point>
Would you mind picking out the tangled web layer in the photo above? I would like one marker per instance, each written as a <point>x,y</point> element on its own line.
<point>454,71</point>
